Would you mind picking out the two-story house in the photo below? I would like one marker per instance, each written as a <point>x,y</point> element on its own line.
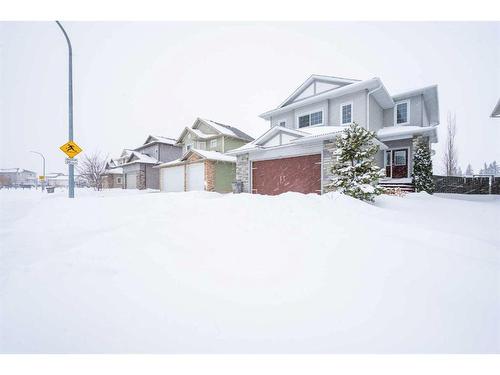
<point>203,166</point>
<point>295,154</point>
<point>137,164</point>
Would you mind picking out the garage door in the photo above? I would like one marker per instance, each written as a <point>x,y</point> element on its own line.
<point>196,177</point>
<point>131,180</point>
<point>301,174</point>
<point>172,179</point>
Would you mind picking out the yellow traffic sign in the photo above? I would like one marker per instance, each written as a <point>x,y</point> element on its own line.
<point>41,178</point>
<point>71,149</point>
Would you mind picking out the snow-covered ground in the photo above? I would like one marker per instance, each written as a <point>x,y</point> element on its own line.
<point>128,271</point>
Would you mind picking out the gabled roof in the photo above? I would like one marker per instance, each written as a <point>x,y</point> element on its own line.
<point>218,128</point>
<point>496,110</point>
<point>332,84</point>
<point>203,154</point>
<point>151,139</point>
<point>15,170</point>
<point>227,130</point>
<point>138,157</point>
<point>380,95</point>
<point>431,102</point>
<point>310,134</point>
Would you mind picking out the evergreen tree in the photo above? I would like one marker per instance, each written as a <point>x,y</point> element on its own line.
<point>459,172</point>
<point>355,172</point>
<point>469,171</point>
<point>422,168</point>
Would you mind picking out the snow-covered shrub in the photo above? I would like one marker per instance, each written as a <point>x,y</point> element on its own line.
<point>422,168</point>
<point>355,172</point>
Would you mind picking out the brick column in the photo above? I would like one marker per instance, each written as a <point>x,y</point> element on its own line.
<point>209,175</point>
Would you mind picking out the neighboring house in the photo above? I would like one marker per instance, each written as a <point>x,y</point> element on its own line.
<point>57,180</point>
<point>496,110</point>
<point>17,177</point>
<point>203,165</point>
<point>112,178</point>
<point>137,164</point>
<point>295,154</point>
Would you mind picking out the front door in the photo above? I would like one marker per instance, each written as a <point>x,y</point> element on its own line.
<point>400,163</point>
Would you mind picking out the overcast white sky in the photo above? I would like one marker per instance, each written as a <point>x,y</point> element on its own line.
<point>132,79</point>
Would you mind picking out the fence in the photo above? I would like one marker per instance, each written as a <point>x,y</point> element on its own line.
<point>467,185</point>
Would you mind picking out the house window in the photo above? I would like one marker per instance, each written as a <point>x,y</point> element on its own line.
<point>213,143</point>
<point>283,123</point>
<point>119,180</point>
<point>400,157</point>
<point>200,145</point>
<point>311,119</point>
<point>402,112</point>
<point>189,147</point>
<point>388,158</point>
<point>346,114</point>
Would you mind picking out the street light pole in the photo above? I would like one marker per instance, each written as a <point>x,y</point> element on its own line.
<point>43,167</point>
<point>71,167</point>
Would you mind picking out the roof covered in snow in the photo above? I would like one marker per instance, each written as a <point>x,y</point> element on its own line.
<point>218,129</point>
<point>138,157</point>
<point>397,132</point>
<point>151,139</point>
<point>117,170</point>
<point>208,155</point>
<point>340,86</point>
<point>496,110</point>
<point>15,170</point>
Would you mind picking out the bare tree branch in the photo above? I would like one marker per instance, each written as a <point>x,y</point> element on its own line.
<point>91,169</point>
<point>450,158</point>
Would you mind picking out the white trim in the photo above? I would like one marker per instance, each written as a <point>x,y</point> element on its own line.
<point>407,101</point>
<point>309,113</point>
<point>342,123</point>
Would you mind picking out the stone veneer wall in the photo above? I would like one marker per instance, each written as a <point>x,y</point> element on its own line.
<point>243,171</point>
<point>328,160</point>
<point>209,175</point>
<point>141,178</point>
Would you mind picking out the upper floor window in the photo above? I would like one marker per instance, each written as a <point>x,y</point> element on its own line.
<point>283,123</point>
<point>315,118</point>
<point>213,143</point>
<point>402,112</point>
<point>346,113</point>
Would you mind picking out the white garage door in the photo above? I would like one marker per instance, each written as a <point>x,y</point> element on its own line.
<point>131,179</point>
<point>172,179</point>
<point>196,177</point>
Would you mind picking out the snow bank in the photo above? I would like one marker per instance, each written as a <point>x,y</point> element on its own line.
<point>129,271</point>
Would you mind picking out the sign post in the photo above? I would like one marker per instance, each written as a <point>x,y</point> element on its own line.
<point>71,167</point>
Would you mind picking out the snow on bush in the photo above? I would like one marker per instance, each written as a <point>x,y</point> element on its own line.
<point>355,172</point>
<point>422,167</point>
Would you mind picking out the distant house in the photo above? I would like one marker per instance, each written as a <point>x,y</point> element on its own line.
<point>204,165</point>
<point>112,178</point>
<point>496,110</point>
<point>137,164</point>
<point>296,152</point>
<point>57,180</point>
<point>16,177</point>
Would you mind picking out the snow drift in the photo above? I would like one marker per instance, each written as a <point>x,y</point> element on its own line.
<point>122,271</point>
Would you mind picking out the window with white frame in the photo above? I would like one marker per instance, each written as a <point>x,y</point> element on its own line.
<point>315,118</point>
<point>346,113</point>
<point>119,180</point>
<point>213,143</point>
<point>283,123</point>
<point>402,112</point>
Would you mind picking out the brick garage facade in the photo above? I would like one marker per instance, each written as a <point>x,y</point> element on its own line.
<point>300,174</point>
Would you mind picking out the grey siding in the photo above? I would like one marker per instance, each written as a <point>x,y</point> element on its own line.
<point>358,100</point>
<point>152,177</point>
<point>416,112</point>
<point>169,152</point>
<point>376,115</point>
